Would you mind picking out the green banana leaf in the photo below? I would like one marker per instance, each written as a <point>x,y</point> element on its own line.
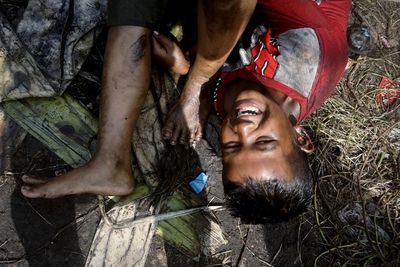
<point>67,128</point>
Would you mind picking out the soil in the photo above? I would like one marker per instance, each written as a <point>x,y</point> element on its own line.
<point>37,232</point>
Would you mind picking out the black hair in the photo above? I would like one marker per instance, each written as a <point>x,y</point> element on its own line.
<point>260,201</point>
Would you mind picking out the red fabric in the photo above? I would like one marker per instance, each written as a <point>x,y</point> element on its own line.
<point>329,21</point>
<point>388,93</point>
<point>264,55</point>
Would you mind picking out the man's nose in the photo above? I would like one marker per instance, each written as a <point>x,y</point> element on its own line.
<point>243,128</point>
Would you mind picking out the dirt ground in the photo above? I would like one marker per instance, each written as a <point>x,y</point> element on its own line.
<point>40,232</point>
<point>59,232</point>
<point>357,166</point>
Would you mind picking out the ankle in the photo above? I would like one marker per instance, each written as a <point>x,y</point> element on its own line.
<point>112,161</point>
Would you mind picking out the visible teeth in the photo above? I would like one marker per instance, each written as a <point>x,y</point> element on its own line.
<point>248,111</point>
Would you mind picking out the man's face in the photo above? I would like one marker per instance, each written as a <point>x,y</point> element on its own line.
<point>256,135</point>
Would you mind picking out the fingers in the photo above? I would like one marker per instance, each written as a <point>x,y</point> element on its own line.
<point>167,130</point>
<point>182,135</point>
<point>171,132</point>
<point>175,135</point>
<point>195,136</point>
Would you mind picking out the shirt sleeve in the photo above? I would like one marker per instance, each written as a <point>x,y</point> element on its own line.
<point>144,13</point>
<point>285,15</point>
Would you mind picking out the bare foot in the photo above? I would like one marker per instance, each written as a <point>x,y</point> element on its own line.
<point>169,55</point>
<point>96,177</point>
<point>187,118</point>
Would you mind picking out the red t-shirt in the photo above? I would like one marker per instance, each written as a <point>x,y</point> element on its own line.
<point>298,47</point>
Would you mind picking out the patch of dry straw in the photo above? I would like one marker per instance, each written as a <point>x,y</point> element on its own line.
<point>357,204</point>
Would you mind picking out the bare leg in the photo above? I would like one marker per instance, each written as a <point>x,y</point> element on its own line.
<point>220,24</point>
<point>125,82</point>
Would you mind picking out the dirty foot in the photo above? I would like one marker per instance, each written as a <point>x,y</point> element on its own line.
<point>187,119</point>
<point>168,54</point>
<point>101,178</point>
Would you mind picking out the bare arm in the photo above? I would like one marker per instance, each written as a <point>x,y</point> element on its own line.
<point>220,25</point>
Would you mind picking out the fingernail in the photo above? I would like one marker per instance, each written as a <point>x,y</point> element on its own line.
<point>173,143</point>
<point>156,33</point>
<point>193,144</point>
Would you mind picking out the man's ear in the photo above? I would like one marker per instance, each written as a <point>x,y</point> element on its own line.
<point>304,140</point>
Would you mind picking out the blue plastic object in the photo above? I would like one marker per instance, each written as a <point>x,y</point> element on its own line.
<point>199,182</point>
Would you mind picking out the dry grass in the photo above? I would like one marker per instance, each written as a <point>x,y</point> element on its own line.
<point>357,207</point>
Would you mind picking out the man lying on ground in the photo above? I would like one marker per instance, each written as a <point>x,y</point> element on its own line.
<point>286,64</point>
<point>125,83</point>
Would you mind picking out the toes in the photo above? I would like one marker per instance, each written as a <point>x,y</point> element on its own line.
<point>32,186</point>
<point>163,40</point>
<point>31,192</point>
<point>198,135</point>
<point>32,180</point>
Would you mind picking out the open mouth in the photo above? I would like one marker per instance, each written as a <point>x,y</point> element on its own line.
<point>247,111</point>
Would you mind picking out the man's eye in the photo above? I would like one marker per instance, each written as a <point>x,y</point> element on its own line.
<point>266,144</point>
<point>263,142</point>
<point>231,147</point>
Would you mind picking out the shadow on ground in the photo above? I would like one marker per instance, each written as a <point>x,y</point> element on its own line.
<point>42,232</point>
